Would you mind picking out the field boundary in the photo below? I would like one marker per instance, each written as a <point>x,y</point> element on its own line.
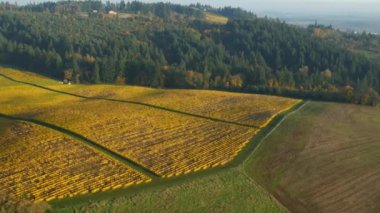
<point>275,127</point>
<point>89,143</point>
<point>256,139</point>
<point>132,102</point>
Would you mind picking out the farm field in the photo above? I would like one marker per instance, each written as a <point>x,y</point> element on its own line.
<point>324,158</point>
<point>167,143</point>
<point>227,190</point>
<point>133,123</point>
<point>40,164</point>
<point>185,106</point>
<point>246,109</point>
<point>252,110</point>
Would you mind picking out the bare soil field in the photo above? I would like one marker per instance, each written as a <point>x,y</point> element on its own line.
<point>324,158</point>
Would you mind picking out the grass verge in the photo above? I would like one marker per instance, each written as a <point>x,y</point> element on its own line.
<point>222,191</point>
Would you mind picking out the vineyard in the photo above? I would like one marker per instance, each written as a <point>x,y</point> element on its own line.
<point>40,164</point>
<point>246,109</point>
<point>168,132</point>
<point>166,143</point>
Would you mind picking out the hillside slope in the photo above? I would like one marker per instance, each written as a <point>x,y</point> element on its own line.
<point>163,134</point>
<point>168,45</point>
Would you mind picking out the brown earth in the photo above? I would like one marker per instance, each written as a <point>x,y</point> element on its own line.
<point>324,158</point>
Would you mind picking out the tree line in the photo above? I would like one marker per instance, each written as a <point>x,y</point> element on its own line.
<point>173,46</point>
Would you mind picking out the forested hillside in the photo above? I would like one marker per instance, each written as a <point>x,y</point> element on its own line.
<point>174,46</point>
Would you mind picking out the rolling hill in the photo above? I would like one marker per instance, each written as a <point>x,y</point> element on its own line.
<point>319,157</point>
<point>142,134</point>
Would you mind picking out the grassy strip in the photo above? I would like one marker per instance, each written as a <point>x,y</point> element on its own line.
<point>90,143</point>
<point>250,158</point>
<point>132,102</point>
<point>224,191</point>
<point>255,141</point>
<point>157,184</point>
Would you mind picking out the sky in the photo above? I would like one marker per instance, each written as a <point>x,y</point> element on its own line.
<point>263,7</point>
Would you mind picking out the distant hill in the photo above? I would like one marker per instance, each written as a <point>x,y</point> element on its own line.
<point>195,46</point>
<point>347,23</point>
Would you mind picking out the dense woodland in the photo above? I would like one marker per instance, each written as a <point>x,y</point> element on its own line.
<point>173,46</point>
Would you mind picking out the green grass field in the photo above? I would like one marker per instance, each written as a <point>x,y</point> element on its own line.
<point>228,190</point>
<point>324,158</point>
